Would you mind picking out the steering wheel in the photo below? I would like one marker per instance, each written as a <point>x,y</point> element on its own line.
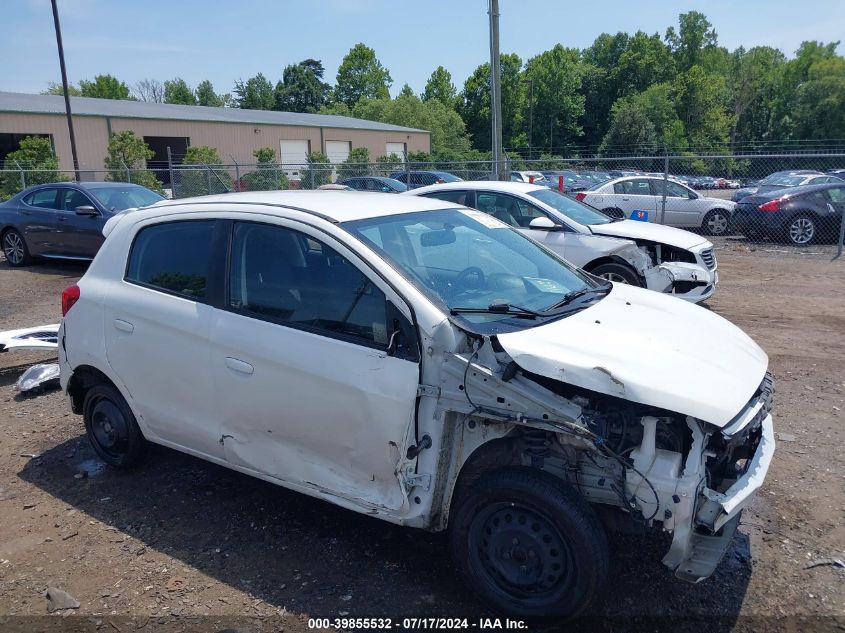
<point>468,272</point>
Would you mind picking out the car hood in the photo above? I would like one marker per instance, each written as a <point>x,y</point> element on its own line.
<point>632,229</point>
<point>649,348</point>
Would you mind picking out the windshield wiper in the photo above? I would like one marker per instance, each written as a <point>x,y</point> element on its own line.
<point>498,308</point>
<point>569,297</point>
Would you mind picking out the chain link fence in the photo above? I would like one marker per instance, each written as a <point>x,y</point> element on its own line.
<point>791,203</point>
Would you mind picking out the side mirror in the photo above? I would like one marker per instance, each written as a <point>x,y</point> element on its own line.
<point>86,210</point>
<point>386,189</point>
<point>543,224</point>
<point>693,195</point>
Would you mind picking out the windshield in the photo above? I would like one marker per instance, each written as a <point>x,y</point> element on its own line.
<point>478,268</point>
<point>786,181</point>
<point>447,177</point>
<point>394,184</point>
<point>572,209</point>
<point>120,198</point>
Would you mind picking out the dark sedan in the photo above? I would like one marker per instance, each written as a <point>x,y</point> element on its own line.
<point>65,219</point>
<point>375,183</point>
<point>784,179</point>
<point>799,215</point>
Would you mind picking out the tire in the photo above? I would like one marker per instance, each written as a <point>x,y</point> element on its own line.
<point>14,249</point>
<point>112,429</point>
<point>802,230</point>
<point>528,545</point>
<point>716,222</point>
<point>617,273</point>
<point>613,212</point>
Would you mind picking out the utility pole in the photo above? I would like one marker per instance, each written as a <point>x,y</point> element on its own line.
<point>64,88</point>
<point>495,89</point>
<point>530,83</point>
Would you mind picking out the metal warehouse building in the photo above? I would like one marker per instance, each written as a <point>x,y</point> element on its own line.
<point>233,132</point>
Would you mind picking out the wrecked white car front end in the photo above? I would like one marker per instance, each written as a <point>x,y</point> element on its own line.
<point>647,405</point>
<point>687,260</point>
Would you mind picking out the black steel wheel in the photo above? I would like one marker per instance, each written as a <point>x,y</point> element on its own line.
<point>112,428</point>
<point>528,545</point>
<point>14,248</point>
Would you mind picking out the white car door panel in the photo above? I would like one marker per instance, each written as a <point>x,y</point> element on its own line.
<point>156,335</point>
<point>300,400</point>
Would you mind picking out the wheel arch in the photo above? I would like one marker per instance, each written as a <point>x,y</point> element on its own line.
<point>83,378</point>
<point>613,259</point>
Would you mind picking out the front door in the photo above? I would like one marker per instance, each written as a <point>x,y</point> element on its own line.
<point>83,234</point>
<point>310,390</point>
<point>681,210</point>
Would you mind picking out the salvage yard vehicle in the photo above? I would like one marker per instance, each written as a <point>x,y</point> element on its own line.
<point>642,197</point>
<point>64,220</point>
<point>427,365</point>
<point>656,257</point>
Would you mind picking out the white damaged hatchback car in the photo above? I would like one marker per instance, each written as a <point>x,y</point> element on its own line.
<point>427,365</point>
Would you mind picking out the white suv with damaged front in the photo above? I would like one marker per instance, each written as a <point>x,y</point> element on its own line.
<point>427,365</point>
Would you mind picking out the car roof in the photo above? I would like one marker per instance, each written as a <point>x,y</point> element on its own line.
<point>488,185</point>
<point>335,206</point>
<point>791,192</point>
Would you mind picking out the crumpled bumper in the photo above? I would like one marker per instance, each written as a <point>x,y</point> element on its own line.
<point>699,545</point>
<point>692,282</point>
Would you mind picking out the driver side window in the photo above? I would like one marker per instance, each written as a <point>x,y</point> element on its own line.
<point>278,275</point>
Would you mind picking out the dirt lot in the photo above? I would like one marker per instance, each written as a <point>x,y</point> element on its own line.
<point>184,545</point>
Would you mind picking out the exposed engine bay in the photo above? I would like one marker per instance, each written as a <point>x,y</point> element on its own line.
<point>657,466</point>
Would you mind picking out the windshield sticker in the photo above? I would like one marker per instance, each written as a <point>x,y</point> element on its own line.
<point>485,220</point>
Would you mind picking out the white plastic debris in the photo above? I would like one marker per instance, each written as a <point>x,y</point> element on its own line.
<point>37,376</point>
<point>41,337</point>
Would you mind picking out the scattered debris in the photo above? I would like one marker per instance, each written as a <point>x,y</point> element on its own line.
<point>826,562</point>
<point>38,338</point>
<point>175,584</point>
<point>69,536</point>
<point>41,376</point>
<point>58,600</point>
<point>786,437</point>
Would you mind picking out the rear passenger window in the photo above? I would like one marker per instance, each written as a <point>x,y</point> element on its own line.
<point>278,275</point>
<point>173,257</point>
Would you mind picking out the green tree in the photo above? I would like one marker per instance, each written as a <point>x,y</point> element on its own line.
<point>630,131</point>
<point>645,61</point>
<point>439,86</point>
<point>178,91</point>
<point>126,159</point>
<point>701,100</point>
<point>694,35</point>
<point>302,88</point>
<point>474,105</point>
<point>56,89</point>
<point>819,112</point>
<point>752,84</point>
<point>105,87</point>
<point>360,76</point>
<point>256,94</point>
<point>34,153</point>
<point>318,171</point>
<point>209,176</point>
<point>206,95</point>
<point>357,164</point>
<point>268,176</point>
<point>558,102</point>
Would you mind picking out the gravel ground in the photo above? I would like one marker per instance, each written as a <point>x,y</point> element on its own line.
<point>184,545</point>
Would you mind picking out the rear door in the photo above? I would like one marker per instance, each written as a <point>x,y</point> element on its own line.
<point>40,222</point>
<point>635,198</point>
<point>309,389</point>
<point>156,323</point>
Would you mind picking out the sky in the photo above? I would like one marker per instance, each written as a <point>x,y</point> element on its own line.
<point>227,40</point>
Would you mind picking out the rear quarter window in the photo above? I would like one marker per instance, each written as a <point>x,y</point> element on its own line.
<point>173,257</point>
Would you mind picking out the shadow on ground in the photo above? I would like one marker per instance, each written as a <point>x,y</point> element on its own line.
<point>308,556</point>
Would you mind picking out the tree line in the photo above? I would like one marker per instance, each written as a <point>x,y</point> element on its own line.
<point>624,94</point>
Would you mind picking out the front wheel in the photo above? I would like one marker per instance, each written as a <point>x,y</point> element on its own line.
<point>617,273</point>
<point>528,545</point>
<point>14,248</point>
<point>716,222</point>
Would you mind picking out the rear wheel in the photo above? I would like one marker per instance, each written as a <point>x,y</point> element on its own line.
<point>802,230</point>
<point>617,273</point>
<point>528,544</point>
<point>111,427</point>
<point>716,222</point>
<point>613,212</point>
<point>14,248</point>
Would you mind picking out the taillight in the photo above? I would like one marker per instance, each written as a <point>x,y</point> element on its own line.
<point>772,205</point>
<point>580,196</point>
<point>70,295</point>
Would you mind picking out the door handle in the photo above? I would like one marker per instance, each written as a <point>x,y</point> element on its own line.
<point>124,326</point>
<point>626,199</point>
<point>238,365</point>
